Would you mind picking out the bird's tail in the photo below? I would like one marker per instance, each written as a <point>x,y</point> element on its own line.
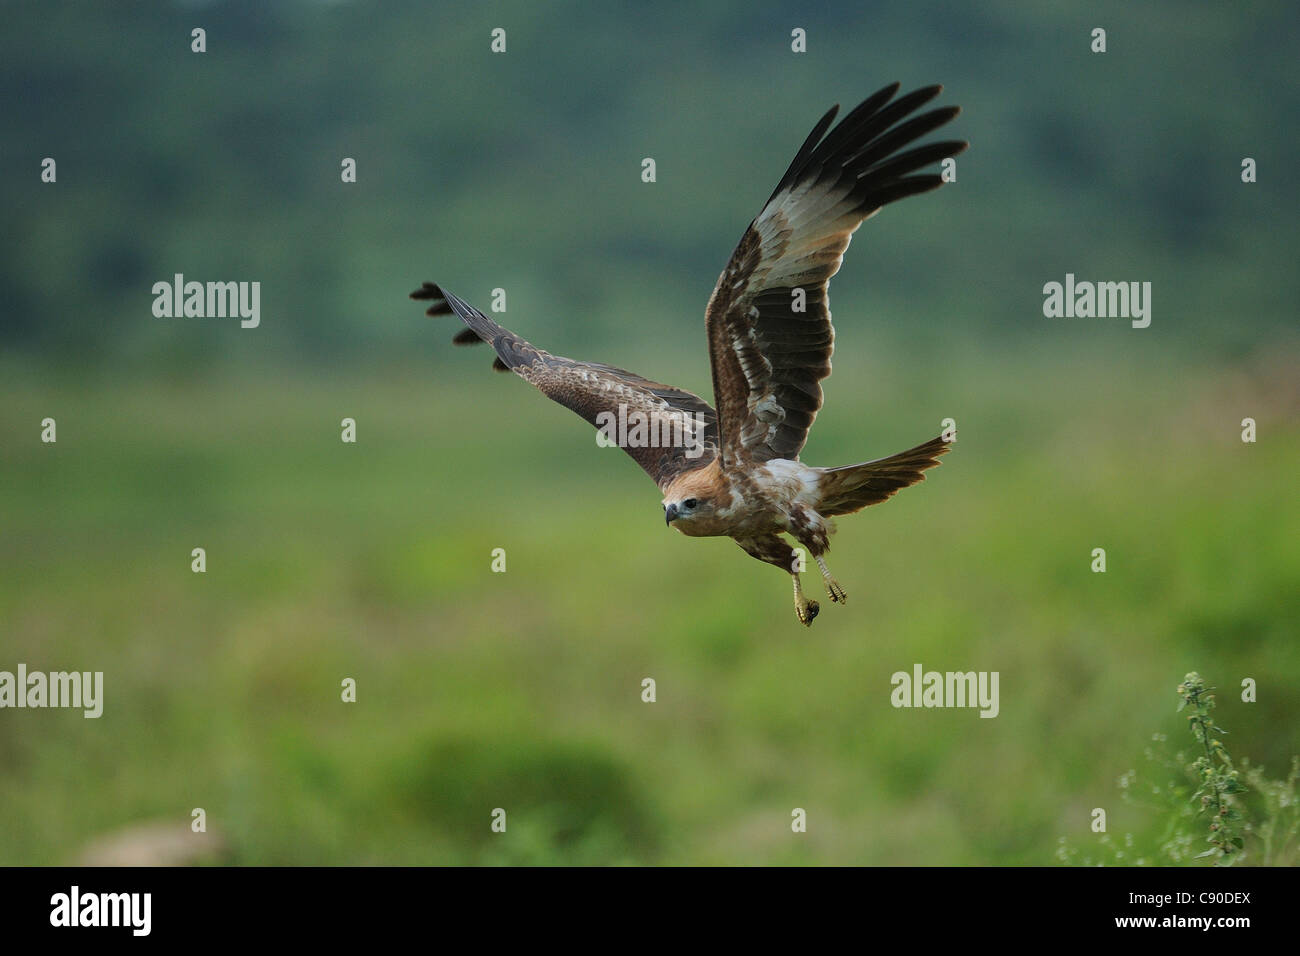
<point>851,488</point>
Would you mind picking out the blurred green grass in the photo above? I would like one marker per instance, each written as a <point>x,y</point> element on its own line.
<point>522,690</point>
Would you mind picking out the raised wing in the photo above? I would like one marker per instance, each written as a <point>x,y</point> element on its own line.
<point>768,356</point>
<point>667,431</point>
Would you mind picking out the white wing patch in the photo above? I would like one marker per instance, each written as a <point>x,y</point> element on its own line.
<point>798,481</point>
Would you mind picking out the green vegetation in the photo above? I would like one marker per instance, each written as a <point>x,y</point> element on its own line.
<point>1202,799</point>
<point>522,690</point>
<point>1219,780</point>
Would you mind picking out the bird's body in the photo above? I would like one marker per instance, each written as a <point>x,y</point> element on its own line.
<point>764,500</point>
<point>734,471</point>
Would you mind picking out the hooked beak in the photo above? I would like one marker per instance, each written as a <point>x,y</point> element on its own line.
<point>670,513</point>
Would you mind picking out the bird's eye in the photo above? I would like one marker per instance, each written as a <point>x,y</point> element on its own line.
<point>689,503</point>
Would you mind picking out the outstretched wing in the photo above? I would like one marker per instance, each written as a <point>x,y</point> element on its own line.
<point>768,355</point>
<point>666,430</point>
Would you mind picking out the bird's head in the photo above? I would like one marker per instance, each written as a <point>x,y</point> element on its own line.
<point>691,503</point>
<point>687,510</point>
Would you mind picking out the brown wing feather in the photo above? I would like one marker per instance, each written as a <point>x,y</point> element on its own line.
<point>768,359</point>
<point>594,391</point>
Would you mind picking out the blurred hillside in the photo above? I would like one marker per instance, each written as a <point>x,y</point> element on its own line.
<point>522,170</point>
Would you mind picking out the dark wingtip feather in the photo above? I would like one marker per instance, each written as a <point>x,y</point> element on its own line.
<point>806,150</point>
<point>867,134</point>
<point>427,290</point>
<point>922,95</point>
<point>882,95</point>
<point>442,306</point>
<point>499,366</point>
<point>946,112</point>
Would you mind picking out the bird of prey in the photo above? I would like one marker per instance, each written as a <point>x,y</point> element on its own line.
<point>735,470</point>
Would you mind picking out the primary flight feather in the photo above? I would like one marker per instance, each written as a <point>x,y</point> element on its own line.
<point>735,471</point>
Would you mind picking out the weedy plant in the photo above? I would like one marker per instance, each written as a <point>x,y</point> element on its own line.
<point>1219,780</point>
<point>1200,798</point>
